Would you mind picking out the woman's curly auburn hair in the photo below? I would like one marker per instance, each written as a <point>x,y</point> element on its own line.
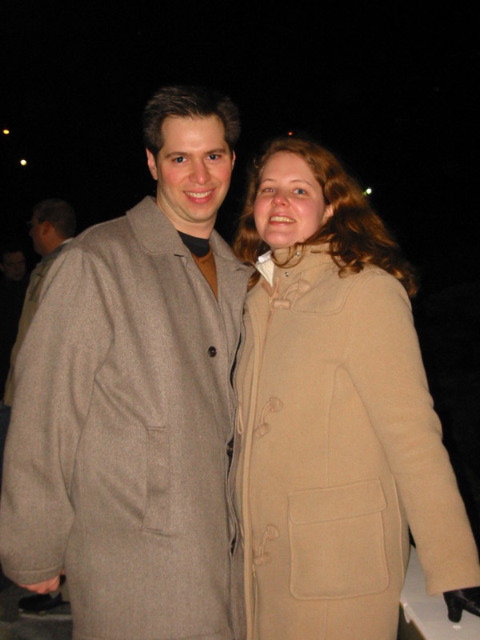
<point>356,235</point>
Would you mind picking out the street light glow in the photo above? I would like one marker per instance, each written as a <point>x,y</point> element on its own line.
<point>23,162</point>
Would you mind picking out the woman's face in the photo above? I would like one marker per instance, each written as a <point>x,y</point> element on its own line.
<point>289,206</point>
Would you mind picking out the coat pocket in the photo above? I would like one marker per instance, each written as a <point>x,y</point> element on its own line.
<point>157,508</point>
<point>337,541</point>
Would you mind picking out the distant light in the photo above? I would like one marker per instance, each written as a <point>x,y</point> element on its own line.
<point>6,132</point>
<point>23,162</point>
<point>367,191</point>
<point>290,133</point>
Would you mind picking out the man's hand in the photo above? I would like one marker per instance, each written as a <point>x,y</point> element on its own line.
<point>462,599</point>
<point>46,586</point>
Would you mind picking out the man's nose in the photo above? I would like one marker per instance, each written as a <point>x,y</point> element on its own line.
<point>200,172</point>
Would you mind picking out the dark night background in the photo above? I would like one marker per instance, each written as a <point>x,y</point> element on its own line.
<point>391,87</point>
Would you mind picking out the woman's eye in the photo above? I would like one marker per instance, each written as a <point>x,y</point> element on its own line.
<point>301,192</point>
<point>214,156</point>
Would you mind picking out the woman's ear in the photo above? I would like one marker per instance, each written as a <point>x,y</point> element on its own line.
<point>328,213</point>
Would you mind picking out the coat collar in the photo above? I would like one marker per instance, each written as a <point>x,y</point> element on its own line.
<point>304,269</point>
<point>312,257</point>
<point>157,235</point>
<point>153,230</point>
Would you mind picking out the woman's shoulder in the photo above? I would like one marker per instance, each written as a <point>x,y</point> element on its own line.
<point>375,277</point>
<point>377,292</point>
<point>331,290</point>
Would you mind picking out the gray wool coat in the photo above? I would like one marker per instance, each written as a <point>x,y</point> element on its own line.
<point>116,459</point>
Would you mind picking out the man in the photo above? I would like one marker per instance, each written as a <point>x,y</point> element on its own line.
<point>13,282</point>
<point>117,455</point>
<point>52,227</point>
<point>13,263</point>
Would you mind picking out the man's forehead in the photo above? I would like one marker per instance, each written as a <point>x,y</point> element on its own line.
<point>13,257</point>
<point>193,131</point>
<point>179,121</point>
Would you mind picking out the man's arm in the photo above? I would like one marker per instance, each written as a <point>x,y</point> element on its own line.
<point>43,587</point>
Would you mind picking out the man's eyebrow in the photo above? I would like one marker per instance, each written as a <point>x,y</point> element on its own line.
<point>218,150</point>
<point>186,153</point>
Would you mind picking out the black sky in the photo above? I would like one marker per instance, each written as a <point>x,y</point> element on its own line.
<point>392,88</point>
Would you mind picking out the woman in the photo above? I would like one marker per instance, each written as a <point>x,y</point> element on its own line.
<point>340,449</point>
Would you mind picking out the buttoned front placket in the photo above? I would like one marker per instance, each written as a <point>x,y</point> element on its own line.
<point>287,285</point>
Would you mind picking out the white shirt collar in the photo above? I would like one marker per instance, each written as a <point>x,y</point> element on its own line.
<point>266,266</point>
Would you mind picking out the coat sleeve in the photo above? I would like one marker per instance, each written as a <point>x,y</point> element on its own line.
<point>65,345</point>
<point>386,367</point>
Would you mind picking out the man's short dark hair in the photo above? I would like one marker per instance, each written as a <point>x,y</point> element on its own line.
<point>11,246</point>
<point>183,101</point>
<point>59,213</point>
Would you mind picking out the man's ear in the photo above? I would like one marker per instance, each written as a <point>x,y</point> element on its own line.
<point>152,164</point>
<point>45,227</point>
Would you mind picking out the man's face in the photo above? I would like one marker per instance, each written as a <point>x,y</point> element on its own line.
<point>14,266</point>
<point>193,170</point>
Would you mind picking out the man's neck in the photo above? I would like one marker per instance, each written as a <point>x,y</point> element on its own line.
<point>54,247</point>
<point>198,246</point>
<point>195,228</point>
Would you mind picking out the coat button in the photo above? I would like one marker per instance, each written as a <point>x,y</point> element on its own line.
<point>212,352</point>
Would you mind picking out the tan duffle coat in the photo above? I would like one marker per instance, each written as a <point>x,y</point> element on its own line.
<point>340,451</point>
<point>116,459</point>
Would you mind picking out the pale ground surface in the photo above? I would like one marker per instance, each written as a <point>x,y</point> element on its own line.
<point>16,627</point>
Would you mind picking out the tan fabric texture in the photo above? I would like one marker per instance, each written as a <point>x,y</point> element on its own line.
<point>340,450</point>
<point>206,264</point>
<point>116,458</point>
<point>29,309</point>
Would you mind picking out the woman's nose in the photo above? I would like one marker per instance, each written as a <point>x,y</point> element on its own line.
<point>279,198</point>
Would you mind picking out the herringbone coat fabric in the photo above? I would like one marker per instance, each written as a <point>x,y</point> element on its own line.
<point>116,460</point>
